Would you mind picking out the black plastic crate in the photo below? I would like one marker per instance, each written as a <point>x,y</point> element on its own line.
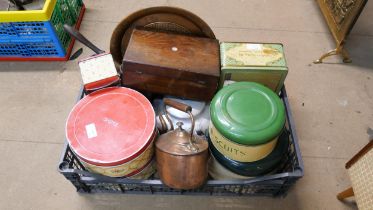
<point>277,184</point>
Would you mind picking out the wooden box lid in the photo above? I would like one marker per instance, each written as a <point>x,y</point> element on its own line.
<point>174,52</point>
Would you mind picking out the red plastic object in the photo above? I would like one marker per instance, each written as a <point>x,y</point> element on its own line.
<point>69,49</point>
<point>111,126</point>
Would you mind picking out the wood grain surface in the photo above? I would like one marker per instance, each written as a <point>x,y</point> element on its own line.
<point>172,64</point>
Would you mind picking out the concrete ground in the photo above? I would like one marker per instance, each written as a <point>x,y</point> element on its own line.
<point>332,106</point>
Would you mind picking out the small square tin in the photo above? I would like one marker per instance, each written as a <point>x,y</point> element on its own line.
<point>98,71</point>
<point>263,63</point>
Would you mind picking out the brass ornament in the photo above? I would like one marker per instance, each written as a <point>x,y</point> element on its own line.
<point>341,16</point>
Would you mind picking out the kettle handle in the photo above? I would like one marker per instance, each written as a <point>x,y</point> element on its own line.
<point>184,108</point>
<point>177,105</point>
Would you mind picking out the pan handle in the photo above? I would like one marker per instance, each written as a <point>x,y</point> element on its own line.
<point>78,36</point>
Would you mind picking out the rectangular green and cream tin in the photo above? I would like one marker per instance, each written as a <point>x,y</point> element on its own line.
<point>254,62</point>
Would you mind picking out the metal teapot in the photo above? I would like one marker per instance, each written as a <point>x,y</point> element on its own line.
<point>181,157</point>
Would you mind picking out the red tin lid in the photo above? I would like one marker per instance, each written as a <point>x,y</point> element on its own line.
<point>111,126</point>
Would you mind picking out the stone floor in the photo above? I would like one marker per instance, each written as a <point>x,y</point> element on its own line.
<point>332,106</point>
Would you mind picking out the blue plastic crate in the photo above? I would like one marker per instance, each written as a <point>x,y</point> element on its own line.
<point>65,11</point>
<point>25,41</point>
<point>25,30</point>
<point>35,40</point>
<point>32,47</point>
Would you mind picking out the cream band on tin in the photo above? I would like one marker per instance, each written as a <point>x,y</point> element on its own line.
<point>239,152</point>
<point>125,168</point>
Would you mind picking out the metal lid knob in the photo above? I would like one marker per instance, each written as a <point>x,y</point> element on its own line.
<point>179,125</point>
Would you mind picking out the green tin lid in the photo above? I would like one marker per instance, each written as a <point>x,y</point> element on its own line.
<point>248,113</point>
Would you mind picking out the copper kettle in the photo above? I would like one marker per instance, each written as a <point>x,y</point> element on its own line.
<point>181,156</point>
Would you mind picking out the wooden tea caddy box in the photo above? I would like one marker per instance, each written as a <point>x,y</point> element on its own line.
<point>172,64</point>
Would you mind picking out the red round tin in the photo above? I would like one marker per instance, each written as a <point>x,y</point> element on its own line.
<point>112,131</point>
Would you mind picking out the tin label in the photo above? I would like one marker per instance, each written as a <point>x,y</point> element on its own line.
<point>91,130</point>
<point>238,152</point>
<point>110,121</point>
<point>248,54</point>
<point>254,47</point>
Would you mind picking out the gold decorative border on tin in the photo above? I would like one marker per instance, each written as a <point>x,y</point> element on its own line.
<point>124,169</point>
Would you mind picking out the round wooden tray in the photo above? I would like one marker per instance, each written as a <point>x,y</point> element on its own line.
<point>168,19</point>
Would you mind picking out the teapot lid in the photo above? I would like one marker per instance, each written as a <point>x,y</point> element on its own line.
<point>177,142</point>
